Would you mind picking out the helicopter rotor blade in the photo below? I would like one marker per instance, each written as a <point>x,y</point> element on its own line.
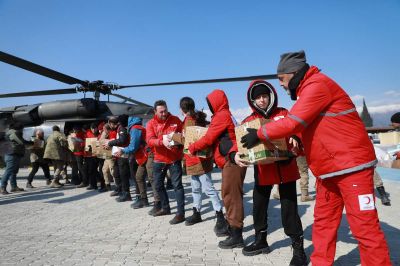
<point>204,81</point>
<point>39,93</point>
<point>35,68</point>
<point>129,99</point>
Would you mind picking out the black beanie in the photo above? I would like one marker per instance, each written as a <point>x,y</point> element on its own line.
<point>291,62</point>
<point>258,90</point>
<point>395,118</point>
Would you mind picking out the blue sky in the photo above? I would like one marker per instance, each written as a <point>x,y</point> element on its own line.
<point>132,42</point>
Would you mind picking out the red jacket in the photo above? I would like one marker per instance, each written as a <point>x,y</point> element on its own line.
<point>192,159</point>
<point>80,135</point>
<point>278,172</point>
<point>155,130</point>
<point>334,137</point>
<point>221,132</point>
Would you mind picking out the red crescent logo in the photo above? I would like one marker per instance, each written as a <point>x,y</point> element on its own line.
<point>368,200</point>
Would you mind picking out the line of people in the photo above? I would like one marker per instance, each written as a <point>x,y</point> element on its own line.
<point>323,114</point>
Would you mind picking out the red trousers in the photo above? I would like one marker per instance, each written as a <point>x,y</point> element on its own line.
<point>355,192</point>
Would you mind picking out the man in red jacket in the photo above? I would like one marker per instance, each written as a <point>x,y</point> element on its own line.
<point>221,136</point>
<point>339,154</point>
<point>166,157</point>
<point>263,100</point>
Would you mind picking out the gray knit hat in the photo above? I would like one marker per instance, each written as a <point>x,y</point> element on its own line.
<point>291,62</point>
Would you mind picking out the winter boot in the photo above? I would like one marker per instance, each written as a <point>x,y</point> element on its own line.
<point>221,226</point>
<point>299,256</point>
<point>105,188</point>
<point>235,240</point>
<point>124,196</point>
<point>55,183</point>
<point>140,203</point>
<point>260,245</point>
<point>195,218</point>
<point>155,209</point>
<point>305,196</point>
<point>384,197</point>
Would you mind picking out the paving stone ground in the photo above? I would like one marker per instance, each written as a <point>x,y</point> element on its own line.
<point>72,226</point>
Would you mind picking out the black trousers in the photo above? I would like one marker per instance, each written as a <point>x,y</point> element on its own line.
<point>91,165</point>
<point>35,168</point>
<point>124,173</point>
<point>81,169</point>
<point>289,213</point>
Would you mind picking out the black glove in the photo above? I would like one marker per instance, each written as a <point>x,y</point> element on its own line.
<point>251,139</point>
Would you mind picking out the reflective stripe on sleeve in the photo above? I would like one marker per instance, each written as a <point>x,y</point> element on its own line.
<point>340,113</point>
<point>264,132</point>
<point>301,121</point>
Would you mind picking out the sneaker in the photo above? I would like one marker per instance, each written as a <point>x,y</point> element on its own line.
<point>17,189</point>
<point>29,185</point>
<point>177,219</point>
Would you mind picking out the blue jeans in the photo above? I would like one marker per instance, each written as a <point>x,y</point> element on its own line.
<point>159,173</point>
<point>11,171</point>
<point>203,184</point>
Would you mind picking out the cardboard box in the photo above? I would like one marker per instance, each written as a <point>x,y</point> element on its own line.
<point>193,134</point>
<point>95,146</point>
<point>90,145</point>
<point>396,164</point>
<point>260,154</point>
<point>38,143</point>
<point>389,138</point>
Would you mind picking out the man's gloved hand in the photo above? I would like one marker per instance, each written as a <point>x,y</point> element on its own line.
<point>250,139</point>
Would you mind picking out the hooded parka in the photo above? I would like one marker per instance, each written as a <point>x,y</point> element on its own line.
<point>221,131</point>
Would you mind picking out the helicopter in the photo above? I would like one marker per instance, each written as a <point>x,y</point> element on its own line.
<point>66,113</point>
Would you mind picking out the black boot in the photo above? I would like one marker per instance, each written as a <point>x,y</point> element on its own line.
<point>116,192</point>
<point>124,196</point>
<point>140,203</point>
<point>194,219</point>
<point>105,188</point>
<point>384,197</point>
<point>221,226</point>
<point>299,256</point>
<point>260,245</point>
<point>235,240</point>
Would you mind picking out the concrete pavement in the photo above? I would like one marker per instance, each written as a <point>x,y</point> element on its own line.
<point>71,226</point>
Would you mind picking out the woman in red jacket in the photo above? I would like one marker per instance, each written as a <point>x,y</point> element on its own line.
<point>263,100</point>
<point>200,171</point>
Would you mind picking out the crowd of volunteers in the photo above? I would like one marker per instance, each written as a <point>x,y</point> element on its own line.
<point>322,129</point>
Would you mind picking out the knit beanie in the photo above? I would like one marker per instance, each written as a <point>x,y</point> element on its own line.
<point>291,62</point>
<point>258,90</point>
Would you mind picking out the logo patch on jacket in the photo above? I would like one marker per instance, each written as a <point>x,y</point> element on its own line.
<point>366,202</point>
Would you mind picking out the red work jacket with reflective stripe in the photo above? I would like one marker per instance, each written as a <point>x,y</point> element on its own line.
<point>334,137</point>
